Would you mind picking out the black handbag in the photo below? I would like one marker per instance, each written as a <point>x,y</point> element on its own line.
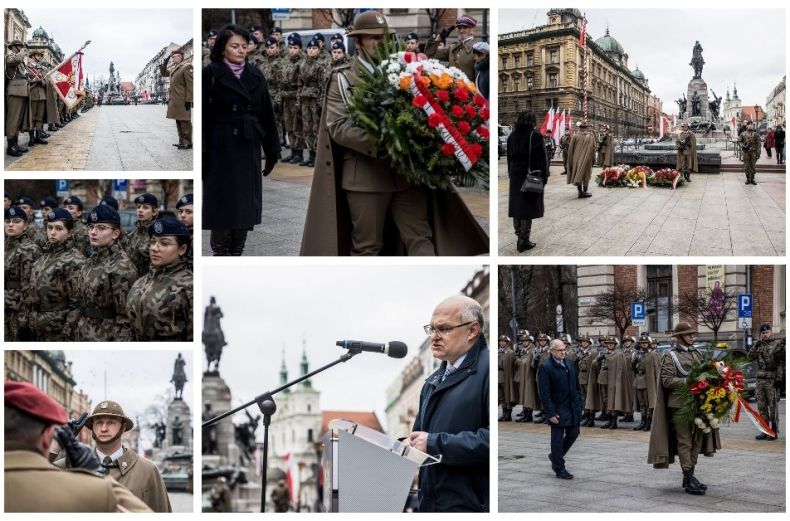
<point>533,181</point>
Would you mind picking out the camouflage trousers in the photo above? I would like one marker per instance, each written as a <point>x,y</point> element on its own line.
<point>292,116</point>
<point>767,400</point>
<point>749,162</point>
<point>310,119</point>
<point>641,402</point>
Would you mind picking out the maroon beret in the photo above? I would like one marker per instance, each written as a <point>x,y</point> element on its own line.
<point>33,401</point>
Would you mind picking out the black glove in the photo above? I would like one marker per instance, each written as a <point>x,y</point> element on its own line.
<point>167,60</point>
<point>444,33</point>
<point>77,425</point>
<point>269,165</point>
<point>188,105</point>
<point>78,455</point>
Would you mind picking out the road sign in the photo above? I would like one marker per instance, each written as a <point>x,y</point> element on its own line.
<point>281,14</point>
<point>638,313</point>
<point>120,185</point>
<point>62,187</point>
<point>744,306</point>
<point>745,322</point>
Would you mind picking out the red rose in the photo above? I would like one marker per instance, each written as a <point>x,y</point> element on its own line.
<point>434,120</point>
<point>419,101</point>
<point>410,57</point>
<point>483,131</point>
<point>479,100</point>
<point>484,113</point>
<point>461,94</point>
<point>476,148</point>
<point>698,387</point>
<point>457,111</point>
<point>448,149</point>
<point>464,127</point>
<point>470,111</point>
<point>443,96</point>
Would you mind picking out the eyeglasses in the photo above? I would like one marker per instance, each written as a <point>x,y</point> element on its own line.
<point>442,330</point>
<point>99,227</point>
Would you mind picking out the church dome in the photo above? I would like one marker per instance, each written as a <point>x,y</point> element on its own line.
<point>639,75</point>
<point>608,44</point>
<point>40,34</point>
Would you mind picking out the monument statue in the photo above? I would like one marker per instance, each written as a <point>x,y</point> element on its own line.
<point>178,431</point>
<point>160,430</point>
<point>696,105</point>
<point>209,433</point>
<point>714,105</point>
<point>213,337</point>
<point>179,377</point>
<point>682,102</point>
<point>245,438</point>
<point>696,60</point>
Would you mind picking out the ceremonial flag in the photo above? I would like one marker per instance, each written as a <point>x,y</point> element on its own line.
<point>559,127</point>
<point>291,476</point>
<point>662,127</point>
<point>569,123</point>
<point>67,78</point>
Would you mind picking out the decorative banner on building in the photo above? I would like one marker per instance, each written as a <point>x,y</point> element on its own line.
<point>67,78</point>
<point>714,273</point>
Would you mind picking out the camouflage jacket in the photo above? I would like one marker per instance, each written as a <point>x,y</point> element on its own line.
<point>81,241</point>
<point>256,57</point>
<point>206,56</point>
<point>270,67</point>
<point>289,76</point>
<point>54,299</point>
<point>137,244</point>
<point>312,78</point>
<point>20,254</point>
<point>104,282</point>
<point>770,355</point>
<point>565,140</point>
<point>160,304</point>
<point>749,141</point>
<point>37,235</point>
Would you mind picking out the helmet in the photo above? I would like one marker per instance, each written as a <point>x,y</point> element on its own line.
<point>370,22</point>
<point>108,408</point>
<point>505,338</point>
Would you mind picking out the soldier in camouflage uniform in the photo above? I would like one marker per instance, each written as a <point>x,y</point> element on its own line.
<point>749,141</point>
<point>292,110</point>
<point>136,243</point>
<point>339,56</point>
<point>81,242</point>
<point>20,253</point>
<point>255,54</point>
<point>565,140</point>
<point>270,67</point>
<point>186,212</point>
<point>770,355</point>
<point>159,304</point>
<point>104,281</point>
<point>312,78</point>
<point>54,301</point>
<point>34,233</point>
<point>210,39</point>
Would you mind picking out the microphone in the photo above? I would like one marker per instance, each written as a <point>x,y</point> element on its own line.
<point>392,349</point>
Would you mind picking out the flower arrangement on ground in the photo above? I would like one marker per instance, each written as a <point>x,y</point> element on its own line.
<point>666,177</point>
<point>637,177</point>
<point>612,176</point>
<point>426,118</point>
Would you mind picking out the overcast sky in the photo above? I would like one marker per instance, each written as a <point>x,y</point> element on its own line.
<point>268,309</point>
<point>127,37</point>
<point>135,379</point>
<point>660,42</point>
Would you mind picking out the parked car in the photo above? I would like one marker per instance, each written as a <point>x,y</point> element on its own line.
<point>176,470</point>
<point>504,133</point>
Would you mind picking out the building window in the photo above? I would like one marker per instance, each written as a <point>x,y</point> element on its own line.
<point>504,62</point>
<point>552,80</point>
<point>516,60</point>
<point>529,82</point>
<point>309,407</point>
<point>548,104</point>
<point>530,59</point>
<point>554,56</point>
<point>659,287</point>
<point>516,83</point>
<point>503,85</point>
<point>515,105</point>
<point>309,435</point>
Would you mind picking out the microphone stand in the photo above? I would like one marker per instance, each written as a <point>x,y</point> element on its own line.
<point>267,407</point>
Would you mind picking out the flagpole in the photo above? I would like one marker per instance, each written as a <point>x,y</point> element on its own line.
<point>586,72</point>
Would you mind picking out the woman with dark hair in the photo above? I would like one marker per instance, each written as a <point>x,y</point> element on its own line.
<point>526,151</point>
<point>238,121</point>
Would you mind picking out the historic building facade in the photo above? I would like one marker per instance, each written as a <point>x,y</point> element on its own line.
<point>775,105</point>
<point>543,67</point>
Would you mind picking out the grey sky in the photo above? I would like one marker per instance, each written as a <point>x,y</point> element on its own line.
<point>127,37</point>
<point>267,309</point>
<point>660,42</point>
<point>135,379</point>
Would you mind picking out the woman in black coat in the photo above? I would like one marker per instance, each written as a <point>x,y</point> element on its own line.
<point>525,151</point>
<point>238,121</point>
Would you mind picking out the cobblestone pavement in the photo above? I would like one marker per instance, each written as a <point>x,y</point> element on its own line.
<point>716,214</point>
<point>611,474</point>
<point>285,195</point>
<point>181,502</point>
<point>111,137</point>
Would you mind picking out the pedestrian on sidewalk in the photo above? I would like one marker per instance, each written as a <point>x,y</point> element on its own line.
<point>581,154</point>
<point>749,141</point>
<point>769,141</point>
<point>560,393</point>
<point>779,144</point>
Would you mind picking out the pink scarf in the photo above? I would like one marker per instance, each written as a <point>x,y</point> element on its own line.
<point>235,69</point>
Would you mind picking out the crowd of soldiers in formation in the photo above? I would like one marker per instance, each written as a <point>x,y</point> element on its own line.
<point>82,278</point>
<point>616,381</point>
<point>31,101</point>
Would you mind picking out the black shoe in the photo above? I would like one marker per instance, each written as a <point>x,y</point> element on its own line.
<point>52,128</point>
<point>689,486</point>
<point>695,481</point>
<point>564,474</point>
<point>12,150</point>
<point>184,147</point>
<point>613,423</point>
<point>748,181</point>
<point>177,145</point>
<point>762,436</point>
<point>38,139</point>
<point>753,181</point>
<point>647,426</point>
<point>640,426</point>
<point>629,418</point>
<point>528,416</point>
<point>43,134</point>
<point>524,244</point>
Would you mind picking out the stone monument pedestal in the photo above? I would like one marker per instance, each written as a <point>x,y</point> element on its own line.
<point>178,409</point>
<point>217,393</point>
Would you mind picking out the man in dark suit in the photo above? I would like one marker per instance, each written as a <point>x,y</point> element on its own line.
<point>452,421</point>
<point>561,396</point>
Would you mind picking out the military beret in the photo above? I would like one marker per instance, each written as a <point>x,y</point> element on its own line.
<point>339,45</point>
<point>109,200</point>
<point>59,214</point>
<point>271,40</point>
<point>295,35</point>
<point>104,214</point>
<point>49,202</point>
<point>149,199</point>
<point>168,226</point>
<point>466,21</point>
<point>765,327</point>
<point>7,195</point>
<point>254,28</point>
<point>336,36</point>
<point>185,200</point>
<point>32,401</point>
<point>312,43</point>
<point>15,212</point>
<point>278,30</point>
<point>25,200</point>
<point>295,41</point>
<point>319,36</point>
<point>212,34</point>
<point>73,199</point>
<point>412,36</point>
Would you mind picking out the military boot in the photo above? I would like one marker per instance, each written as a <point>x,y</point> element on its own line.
<point>12,149</point>
<point>641,425</point>
<point>311,160</point>
<point>613,422</point>
<point>39,139</point>
<point>628,418</point>
<point>762,436</point>
<point>238,238</point>
<point>31,141</point>
<point>528,416</point>
<point>220,242</point>
<point>647,426</point>
<point>775,428</point>
<point>697,482</point>
<point>22,149</point>
<point>43,134</point>
<point>505,415</point>
<point>608,423</point>
<point>689,486</point>
<point>753,181</point>
<point>748,180</point>
<point>296,157</point>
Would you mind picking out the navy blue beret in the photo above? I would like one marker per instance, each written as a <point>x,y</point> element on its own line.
<point>15,212</point>
<point>185,200</point>
<point>339,45</point>
<point>109,200</point>
<point>59,214</point>
<point>49,202</point>
<point>25,200</point>
<point>104,214</point>
<point>73,199</point>
<point>147,199</point>
<point>168,226</point>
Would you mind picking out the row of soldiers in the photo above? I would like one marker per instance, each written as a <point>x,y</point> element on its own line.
<point>85,279</point>
<point>31,100</point>
<point>616,381</point>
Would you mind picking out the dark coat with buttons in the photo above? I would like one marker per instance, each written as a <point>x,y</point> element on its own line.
<point>560,392</point>
<point>238,121</point>
<point>454,413</point>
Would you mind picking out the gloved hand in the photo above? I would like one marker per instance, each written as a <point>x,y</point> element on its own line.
<point>77,425</point>
<point>269,165</point>
<point>188,105</point>
<point>78,455</point>
<point>444,33</point>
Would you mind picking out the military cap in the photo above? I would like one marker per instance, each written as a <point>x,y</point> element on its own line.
<point>370,22</point>
<point>584,338</point>
<point>25,200</point>
<point>645,339</point>
<point>176,51</point>
<point>504,337</point>
<point>73,199</point>
<point>319,36</point>
<point>466,21</point>
<point>296,36</point>
<point>149,199</point>
<point>49,202</point>
<point>295,40</point>
<point>185,200</point>
<point>168,226</point>
<point>254,28</point>
<point>336,37</point>
<point>14,43</point>
<point>211,34</point>
<point>277,30</point>
<point>34,402</point>
<point>15,212</point>
<point>481,48</point>
<point>765,327</point>
<point>683,328</point>
<point>271,40</point>
<point>523,334</point>
<point>109,200</point>
<point>104,214</point>
<point>412,36</point>
<point>544,336</point>
<point>59,214</point>
<point>313,43</point>
<point>108,408</point>
<point>339,45</point>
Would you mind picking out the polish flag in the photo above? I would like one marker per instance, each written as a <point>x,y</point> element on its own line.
<point>569,123</point>
<point>734,124</point>
<point>67,79</point>
<point>559,127</point>
<point>583,35</point>
<point>291,476</point>
<point>662,127</point>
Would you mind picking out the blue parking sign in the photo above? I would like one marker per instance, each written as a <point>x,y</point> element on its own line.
<point>744,305</point>
<point>638,313</point>
<point>62,186</point>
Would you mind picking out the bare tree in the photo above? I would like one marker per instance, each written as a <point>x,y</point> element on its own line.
<point>614,306</point>
<point>169,187</point>
<point>434,15</point>
<point>708,307</point>
<point>156,412</point>
<point>338,17</point>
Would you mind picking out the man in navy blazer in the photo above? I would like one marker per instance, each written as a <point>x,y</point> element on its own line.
<point>561,396</point>
<point>452,421</point>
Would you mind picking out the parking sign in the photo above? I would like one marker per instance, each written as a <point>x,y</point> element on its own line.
<point>745,310</point>
<point>638,313</point>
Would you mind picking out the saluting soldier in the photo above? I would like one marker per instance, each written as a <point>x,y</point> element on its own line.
<point>17,96</point>
<point>34,233</point>
<point>605,148</point>
<point>506,361</point>
<point>20,254</point>
<point>138,239</point>
<point>74,206</point>
<point>104,281</point>
<point>292,109</point>
<point>159,304</point>
<point>185,212</point>
<point>749,141</point>
<point>459,54</point>
<point>581,154</point>
<point>687,152</point>
<point>54,279</point>
<point>179,94</point>
<point>770,355</point>
<point>312,78</point>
